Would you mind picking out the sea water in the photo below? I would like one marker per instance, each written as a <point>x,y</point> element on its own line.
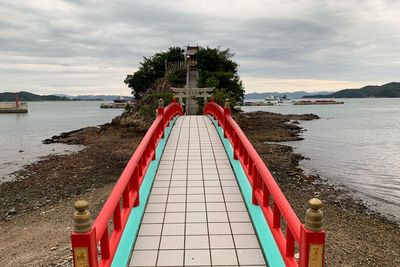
<point>356,144</point>
<point>21,135</point>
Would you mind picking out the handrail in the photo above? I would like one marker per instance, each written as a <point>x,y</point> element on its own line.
<point>123,197</point>
<point>265,190</point>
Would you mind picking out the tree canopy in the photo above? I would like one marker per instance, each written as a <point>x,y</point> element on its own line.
<point>216,69</point>
<point>151,69</point>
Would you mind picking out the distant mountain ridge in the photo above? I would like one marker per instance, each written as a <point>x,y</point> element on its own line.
<point>94,97</point>
<point>26,96</point>
<point>387,90</point>
<point>293,95</point>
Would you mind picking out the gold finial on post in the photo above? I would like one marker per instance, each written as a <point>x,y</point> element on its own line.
<point>227,103</point>
<point>314,215</point>
<point>82,222</point>
<point>160,103</point>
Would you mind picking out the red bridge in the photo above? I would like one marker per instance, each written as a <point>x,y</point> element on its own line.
<point>196,193</point>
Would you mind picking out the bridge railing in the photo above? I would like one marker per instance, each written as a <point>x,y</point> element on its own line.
<point>109,225</point>
<point>285,226</point>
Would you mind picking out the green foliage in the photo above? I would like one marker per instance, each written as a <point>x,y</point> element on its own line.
<point>177,78</point>
<point>150,104</point>
<point>211,82</point>
<point>153,98</point>
<point>139,82</point>
<point>200,103</point>
<point>151,69</point>
<point>221,95</point>
<point>128,107</point>
<point>217,69</point>
<point>145,111</point>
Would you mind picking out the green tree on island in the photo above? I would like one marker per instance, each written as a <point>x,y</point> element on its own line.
<point>216,69</point>
<point>151,69</point>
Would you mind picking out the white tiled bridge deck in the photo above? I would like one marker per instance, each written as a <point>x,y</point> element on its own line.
<point>196,215</point>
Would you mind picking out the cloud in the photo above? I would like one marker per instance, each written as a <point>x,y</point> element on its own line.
<point>88,46</point>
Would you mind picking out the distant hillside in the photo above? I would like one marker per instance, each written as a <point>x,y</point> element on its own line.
<point>26,96</point>
<point>293,95</point>
<point>387,90</point>
<point>94,97</point>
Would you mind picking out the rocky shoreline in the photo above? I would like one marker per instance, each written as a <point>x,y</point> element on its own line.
<point>38,205</point>
<point>357,235</point>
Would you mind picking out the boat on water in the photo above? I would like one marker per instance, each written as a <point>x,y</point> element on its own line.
<point>272,100</point>
<point>122,100</point>
<point>318,102</point>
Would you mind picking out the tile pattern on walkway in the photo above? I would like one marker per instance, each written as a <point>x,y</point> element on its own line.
<point>196,215</point>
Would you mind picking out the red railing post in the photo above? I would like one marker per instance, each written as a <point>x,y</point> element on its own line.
<point>153,142</point>
<point>312,236</point>
<point>266,196</point>
<point>250,164</point>
<point>227,111</point>
<point>160,112</point>
<point>255,187</point>
<point>174,104</point>
<point>83,239</point>
<point>276,216</point>
<point>289,243</point>
<point>117,218</point>
<point>105,245</point>
<point>235,145</point>
<point>125,197</point>
<point>136,185</point>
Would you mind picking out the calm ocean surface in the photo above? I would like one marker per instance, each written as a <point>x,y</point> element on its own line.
<point>356,144</point>
<point>25,132</point>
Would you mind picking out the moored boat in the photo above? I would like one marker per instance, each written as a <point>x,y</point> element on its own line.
<point>122,100</point>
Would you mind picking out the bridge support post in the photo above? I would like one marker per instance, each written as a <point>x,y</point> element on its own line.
<point>312,236</point>
<point>83,239</point>
<point>256,184</point>
<point>235,145</point>
<point>227,111</point>
<point>173,101</point>
<point>136,185</point>
<point>160,112</point>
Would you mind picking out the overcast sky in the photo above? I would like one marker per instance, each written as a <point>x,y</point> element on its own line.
<point>88,47</point>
